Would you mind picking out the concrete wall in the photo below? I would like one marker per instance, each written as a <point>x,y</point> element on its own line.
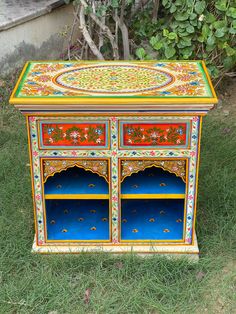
<point>36,39</point>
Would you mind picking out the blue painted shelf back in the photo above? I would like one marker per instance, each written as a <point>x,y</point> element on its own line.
<point>76,181</point>
<point>153,181</point>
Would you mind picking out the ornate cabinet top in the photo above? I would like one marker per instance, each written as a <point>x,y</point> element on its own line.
<point>113,83</point>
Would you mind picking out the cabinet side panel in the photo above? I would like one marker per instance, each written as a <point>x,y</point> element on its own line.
<point>36,180</point>
<point>192,179</point>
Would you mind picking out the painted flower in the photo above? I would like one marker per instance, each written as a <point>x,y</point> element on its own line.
<point>130,131</point>
<point>50,130</point>
<point>190,197</point>
<point>74,134</point>
<point>38,197</point>
<point>98,140</point>
<point>114,119</point>
<point>35,154</point>
<point>74,153</point>
<point>98,131</point>
<point>152,153</point>
<point>114,153</point>
<point>192,153</point>
<point>114,198</point>
<point>155,135</point>
<point>31,119</point>
<point>180,131</point>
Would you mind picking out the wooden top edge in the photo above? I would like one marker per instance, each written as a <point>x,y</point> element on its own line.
<point>110,101</point>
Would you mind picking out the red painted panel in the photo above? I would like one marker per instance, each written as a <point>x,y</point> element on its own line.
<point>74,134</point>
<point>154,134</point>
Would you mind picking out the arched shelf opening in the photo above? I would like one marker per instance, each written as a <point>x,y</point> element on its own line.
<point>152,206</point>
<point>75,183</point>
<point>153,182</point>
<point>77,206</point>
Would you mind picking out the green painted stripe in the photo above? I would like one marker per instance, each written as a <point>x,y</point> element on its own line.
<point>29,66</point>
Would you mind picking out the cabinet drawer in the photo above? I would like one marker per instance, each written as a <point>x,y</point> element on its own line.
<point>73,135</point>
<point>151,135</point>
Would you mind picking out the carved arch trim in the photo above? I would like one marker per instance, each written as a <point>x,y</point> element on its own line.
<point>178,167</point>
<point>52,166</point>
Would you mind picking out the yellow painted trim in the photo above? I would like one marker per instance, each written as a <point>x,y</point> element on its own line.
<point>110,101</point>
<point>209,81</point>
<point>11,100</point>
<point>79,241</point>
<point>150,241</point>
<point>77,196</point>
<point>152,196</point>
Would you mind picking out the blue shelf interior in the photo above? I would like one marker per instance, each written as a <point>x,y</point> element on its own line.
<point>153,181</point>
<point>77,219</point>
<point>152,219</point>
<point>76,181</point>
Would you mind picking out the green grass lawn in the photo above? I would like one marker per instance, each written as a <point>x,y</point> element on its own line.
<point>54,284</point>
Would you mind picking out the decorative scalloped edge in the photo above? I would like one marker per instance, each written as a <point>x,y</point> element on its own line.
<point>71,166</point>
<point>150,166</point>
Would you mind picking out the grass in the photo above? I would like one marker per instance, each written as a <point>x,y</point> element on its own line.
<point>117,284</point>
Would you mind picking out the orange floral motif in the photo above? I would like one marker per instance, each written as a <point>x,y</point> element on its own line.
<point>77,134</point>
<point>155,134</point>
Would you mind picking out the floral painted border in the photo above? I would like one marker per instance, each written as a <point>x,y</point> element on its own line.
<point>114,154</point>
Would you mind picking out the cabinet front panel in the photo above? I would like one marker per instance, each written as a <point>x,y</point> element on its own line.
<point>150,134</point>
<point>58,135</point>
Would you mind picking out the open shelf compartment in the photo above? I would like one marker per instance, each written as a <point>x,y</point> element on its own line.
<point>78,220</point>
<point>150,220</point>
<point>76,183</point>
<point>77,206</point>
<point>153,183</point>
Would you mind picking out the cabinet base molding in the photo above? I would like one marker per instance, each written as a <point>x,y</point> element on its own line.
<point>169,250</point>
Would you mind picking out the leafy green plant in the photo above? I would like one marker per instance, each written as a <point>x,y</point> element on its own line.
<point>157,29</point>
<point>190,29</point>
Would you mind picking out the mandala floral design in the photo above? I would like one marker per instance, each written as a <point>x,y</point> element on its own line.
<point>118,79</point>
<point>75,79</point>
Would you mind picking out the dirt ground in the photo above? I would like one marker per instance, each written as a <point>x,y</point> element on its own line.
<point>227,98</point>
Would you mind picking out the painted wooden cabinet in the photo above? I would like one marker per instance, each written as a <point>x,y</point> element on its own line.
<point>114,152</point>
